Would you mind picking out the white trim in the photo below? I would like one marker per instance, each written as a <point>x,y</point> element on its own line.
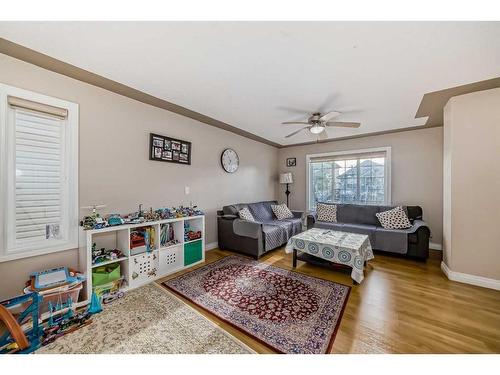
<point>388,183</point>
<point>435,246</point>
<point>211,246</point>
<point>70,167</point>
<point>470,279</point>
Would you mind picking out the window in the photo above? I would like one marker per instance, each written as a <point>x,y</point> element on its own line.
<point>39,172</point>
<point>359,177</point>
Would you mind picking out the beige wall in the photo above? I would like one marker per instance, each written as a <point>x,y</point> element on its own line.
<point>472,184</point>
<point>417,170</point>
<point>114,166</point>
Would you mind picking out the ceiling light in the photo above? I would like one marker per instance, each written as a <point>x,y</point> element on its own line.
<point>316,129</point>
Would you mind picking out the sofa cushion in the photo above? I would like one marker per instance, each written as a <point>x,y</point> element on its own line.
<point>245,214</point>
<point>262,211</point>
<point>357,214</point>
<point>281,211</point>
<point>327,212</point>
<point>394,219</point>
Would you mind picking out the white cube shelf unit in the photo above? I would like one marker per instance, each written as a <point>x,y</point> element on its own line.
<point>137,265</point>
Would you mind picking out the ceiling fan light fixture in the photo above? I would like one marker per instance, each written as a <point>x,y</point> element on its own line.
<point>316,129</point>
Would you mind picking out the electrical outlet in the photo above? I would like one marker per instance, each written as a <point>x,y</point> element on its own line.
<point>187,190</point>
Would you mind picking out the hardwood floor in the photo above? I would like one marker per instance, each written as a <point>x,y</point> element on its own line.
<point>402,306</point>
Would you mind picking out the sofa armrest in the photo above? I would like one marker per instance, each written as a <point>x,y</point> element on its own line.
<point>247,228</point>
<point>311,219</point>
<point>297,214</point>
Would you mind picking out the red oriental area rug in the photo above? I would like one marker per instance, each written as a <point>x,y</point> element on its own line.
<point>288,311</point>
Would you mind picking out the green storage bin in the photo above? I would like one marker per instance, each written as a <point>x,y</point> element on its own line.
<point>192,252</point>
<point>106,274</point>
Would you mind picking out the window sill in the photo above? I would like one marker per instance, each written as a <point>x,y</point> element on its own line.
<point>36,253</point>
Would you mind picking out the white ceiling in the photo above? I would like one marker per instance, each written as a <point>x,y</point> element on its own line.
<point>244,74</point>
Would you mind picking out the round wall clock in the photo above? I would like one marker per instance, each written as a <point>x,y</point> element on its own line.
<point>229,160</point>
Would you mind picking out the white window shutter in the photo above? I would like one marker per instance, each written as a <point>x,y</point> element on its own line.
<point>39,177</point>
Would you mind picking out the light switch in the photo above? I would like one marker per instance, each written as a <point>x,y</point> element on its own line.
<point>187,190</point>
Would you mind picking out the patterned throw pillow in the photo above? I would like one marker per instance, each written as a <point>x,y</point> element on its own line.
<point>281,211</point>
<point>394,219</point>
<point>327,212</point>
<point>245,214</point>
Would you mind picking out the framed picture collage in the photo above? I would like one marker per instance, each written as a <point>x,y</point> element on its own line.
<point>163,148</point>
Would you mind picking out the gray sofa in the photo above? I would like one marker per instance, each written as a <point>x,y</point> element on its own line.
<point>412,242</point>
<point>255,238</point>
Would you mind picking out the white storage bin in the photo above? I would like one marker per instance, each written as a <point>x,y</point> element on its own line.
<point>171,259</point>
<point>143,268</point>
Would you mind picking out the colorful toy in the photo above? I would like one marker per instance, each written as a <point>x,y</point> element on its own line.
<point>103,255</point>
<point>95,304</point>
<point>95,221</point>
<point>16,339</point>
<point>115,219</point>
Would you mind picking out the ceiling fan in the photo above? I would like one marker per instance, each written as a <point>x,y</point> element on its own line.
<point>318,122</point>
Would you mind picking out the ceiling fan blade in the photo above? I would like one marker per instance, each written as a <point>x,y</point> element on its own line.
<point>295,123</point>
<point>330,115</point>
<point>323,135</point>
<point>297,131</point>
<point>340,124</point>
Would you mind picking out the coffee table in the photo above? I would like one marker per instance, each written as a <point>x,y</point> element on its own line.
<point>348,249</point>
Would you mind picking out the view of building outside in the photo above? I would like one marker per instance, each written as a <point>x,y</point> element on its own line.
<point>360,181</point>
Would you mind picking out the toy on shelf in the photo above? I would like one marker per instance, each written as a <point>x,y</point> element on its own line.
<point>103,255</point>
<point>189,234</point>
<point>17,339</point>
<point>142,240</point>
<point>115,219</point>
<point>167,235</point>
<point>94,221</point>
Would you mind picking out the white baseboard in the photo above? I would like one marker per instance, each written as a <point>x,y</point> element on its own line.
<point>435,246</point>
<point>211,246</point>
<point>470,279</point>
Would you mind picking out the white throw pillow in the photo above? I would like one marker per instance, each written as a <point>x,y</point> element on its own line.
<point>245,214</point>
<point>326,212</point>
<point>394,219</point>
<point>281,211</point>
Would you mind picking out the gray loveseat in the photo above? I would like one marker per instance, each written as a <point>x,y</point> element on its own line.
<point>412,242</point>
<point>255,238</point>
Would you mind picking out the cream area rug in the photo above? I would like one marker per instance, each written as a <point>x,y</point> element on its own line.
<point>148,320</point>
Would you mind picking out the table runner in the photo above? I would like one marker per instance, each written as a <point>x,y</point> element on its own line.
<point>350,249</point>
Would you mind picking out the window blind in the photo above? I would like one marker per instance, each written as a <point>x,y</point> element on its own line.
<point>39,177</point>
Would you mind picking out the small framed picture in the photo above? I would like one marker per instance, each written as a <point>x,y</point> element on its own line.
<point>291,162</point>
<point>175,155</point>
<point>168,145</point>
<point>183,158</point>
<point>184,148</point>
<point>176,146</point>
<point>167,155</point>
<point>157,142</point>
<point>158,152</point>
